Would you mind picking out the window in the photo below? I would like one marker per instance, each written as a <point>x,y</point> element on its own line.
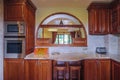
<point>63,39</point>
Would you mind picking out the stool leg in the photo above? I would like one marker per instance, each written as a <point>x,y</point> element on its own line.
<point>70,74</point>
<point>79,75</point>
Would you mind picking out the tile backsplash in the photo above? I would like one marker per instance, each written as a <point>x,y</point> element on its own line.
<point>108,41</point>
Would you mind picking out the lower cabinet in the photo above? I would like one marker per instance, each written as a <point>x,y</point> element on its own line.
<point>38,70</point>
<point>31,69</point>
<point>97,69</point>
<point>13,69</point>
<point>115,70</point>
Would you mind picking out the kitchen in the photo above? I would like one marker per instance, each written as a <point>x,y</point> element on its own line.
<point>111,42</point>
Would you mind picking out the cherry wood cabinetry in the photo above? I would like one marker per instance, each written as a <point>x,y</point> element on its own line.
<point>22,10</point>
<point>115,17</point>
<point>31,69</point>
<point>30,28</point>
<point>115,70</point>
<point>13,10</point>
<point>98,18</point>
<point>38,70</point>
<point>13,69</point>
<point>97,69</point>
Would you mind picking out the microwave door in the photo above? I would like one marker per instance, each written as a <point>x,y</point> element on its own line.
<point>12,28</point>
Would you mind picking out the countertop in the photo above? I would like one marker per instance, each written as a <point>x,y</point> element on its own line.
<point>74,56</point>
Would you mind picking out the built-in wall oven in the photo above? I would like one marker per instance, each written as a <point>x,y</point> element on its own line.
<point>14,47</point>
<point>14,39</point>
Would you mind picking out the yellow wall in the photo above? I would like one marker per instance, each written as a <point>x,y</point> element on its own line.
<point>80,13</point>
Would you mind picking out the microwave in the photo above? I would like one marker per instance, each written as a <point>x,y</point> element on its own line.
<point>14,28</point>
<point>14,47</point>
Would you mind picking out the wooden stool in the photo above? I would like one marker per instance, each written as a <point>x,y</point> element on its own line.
<point>75,72</point>
<point>59,70</point>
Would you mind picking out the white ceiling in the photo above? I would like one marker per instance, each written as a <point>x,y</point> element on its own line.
<point>64,3</point>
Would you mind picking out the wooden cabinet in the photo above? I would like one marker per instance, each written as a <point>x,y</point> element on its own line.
<point>45,70</point>
<point>38,70</point>
<point>30,31</point>
<point>13,69</point>
<point>22,10</point>
<point>115,70</point>
<point>97,69</point>
<point>98,18</point>
<point>115,17</point>
<point>105,70</point>
<point>90,70</point>
<point>13,10</point>
<point>31,69</point>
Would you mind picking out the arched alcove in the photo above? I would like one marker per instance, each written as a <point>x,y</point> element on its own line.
<point>61,29</point>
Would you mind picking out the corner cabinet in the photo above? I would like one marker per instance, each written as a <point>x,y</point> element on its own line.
<point>98,18</point>
<point>97,69</point>
<point>115,17</point>
<point>13,69</point>
<point>22,10</point>
<point>38,70</point>
<point>115,70</point>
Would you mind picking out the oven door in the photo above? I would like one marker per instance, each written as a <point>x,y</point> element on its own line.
<point>14,47</point>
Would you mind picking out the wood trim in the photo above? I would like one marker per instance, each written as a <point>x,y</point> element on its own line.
<point>66,26</point>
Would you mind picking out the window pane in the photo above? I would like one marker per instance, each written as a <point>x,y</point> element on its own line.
<point>63,39</point>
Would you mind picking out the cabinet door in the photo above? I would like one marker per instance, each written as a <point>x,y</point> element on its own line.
<point>115,70</point>
<point>105,70</point>
<point>98,15</point>
<point>13,12</point>
<point>30,28</point>
<point>31,69</point>
<point>118,7</point>
<point>44,70</point>
<point>115,19</point>
<point>90,70</point>
<point>97,69</point>
<point>92,13</point>
<point>104,21</point>
<point>13,69</point>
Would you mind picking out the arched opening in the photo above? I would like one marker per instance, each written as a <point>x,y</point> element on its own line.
<point>61,29</point>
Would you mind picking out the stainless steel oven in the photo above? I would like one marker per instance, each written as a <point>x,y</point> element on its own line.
<point>14,47</point>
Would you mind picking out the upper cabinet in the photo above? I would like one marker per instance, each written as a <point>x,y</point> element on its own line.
<point>22,10</point>
<point>15,10</point>
<point>61,29</point>
<point>104,18</point>
<point>115,17</point>
<point>98,17</point>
